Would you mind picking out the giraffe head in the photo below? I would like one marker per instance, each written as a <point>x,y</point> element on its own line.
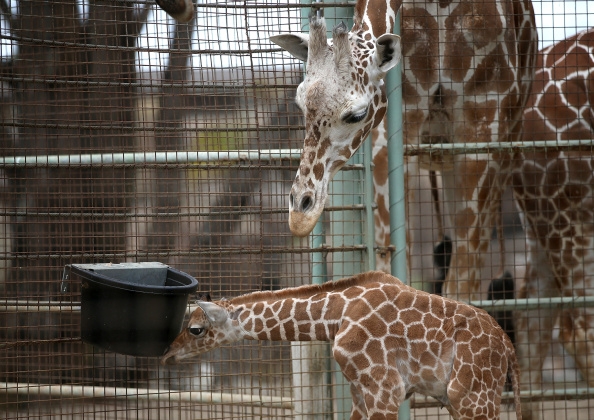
<point>209,327</point>
<point>342,97</point>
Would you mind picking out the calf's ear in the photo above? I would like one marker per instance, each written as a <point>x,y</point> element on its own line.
<point>216,315</point>
<point>295,44</point>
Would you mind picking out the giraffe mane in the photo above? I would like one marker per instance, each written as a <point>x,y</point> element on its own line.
<point>312,289</point>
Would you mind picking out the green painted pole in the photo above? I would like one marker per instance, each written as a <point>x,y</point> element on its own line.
<point>338,220</point>
<point>396,170</point>
<point>311,361</point>
<point>396,182</point>
<point>369,233</point>
<point>346,227</point>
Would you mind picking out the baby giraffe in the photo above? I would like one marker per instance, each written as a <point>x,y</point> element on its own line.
<point>389,339</point>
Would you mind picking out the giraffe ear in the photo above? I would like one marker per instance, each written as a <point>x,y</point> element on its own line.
<point>216,315</point>
<point>388,52</point>
<point>295,44</point>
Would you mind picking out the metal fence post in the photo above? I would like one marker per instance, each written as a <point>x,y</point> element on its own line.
<point>310,381</point>
<point>396,182</point>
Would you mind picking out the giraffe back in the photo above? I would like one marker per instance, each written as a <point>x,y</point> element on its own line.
<point>400,338</point>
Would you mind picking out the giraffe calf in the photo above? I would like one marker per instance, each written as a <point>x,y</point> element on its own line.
<point>390,340</point>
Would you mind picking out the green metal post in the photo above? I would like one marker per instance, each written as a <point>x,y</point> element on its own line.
<point>369,233</point>
<point>396,170</point>
<point>346,228</point>
<point>396,182</point>
<point>311,362</point>
<point>340,389</point>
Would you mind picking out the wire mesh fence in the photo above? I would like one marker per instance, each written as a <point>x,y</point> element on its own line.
<point>127,137</point>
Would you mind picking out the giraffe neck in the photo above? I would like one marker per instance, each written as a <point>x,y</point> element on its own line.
<point>376,17</point>
<point>306,313</point>
<point>290,319</point>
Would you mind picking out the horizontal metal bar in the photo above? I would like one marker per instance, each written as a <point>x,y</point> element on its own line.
<point>535,303</point>
<point>151,215</point>
<point>259,6</point>
<point>420,401</point>
<point>69,391</point>
<point>492,305</point>
<point>203,159</point>
<point>185,157</point>
<point>160,255</point>
<point>147,394</point>
<point>277,5</point>
<point>48,306</point>
<point>222,86</point>
<point>136,49</point>
<point>39,306</point>
<point>504,146</point>
<point>552,394</point>
<point>6,345</point>
<point>125,127</point>
<point>105,159</point>
<point>179,214</point>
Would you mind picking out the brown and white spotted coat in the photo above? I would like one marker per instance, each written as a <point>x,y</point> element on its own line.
<point>467,71</point>
<point>389,339</point>
<point>554,191</point>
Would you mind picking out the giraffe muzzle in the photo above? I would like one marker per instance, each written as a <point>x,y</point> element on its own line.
<point>304,212</point>
<point>167,358</point>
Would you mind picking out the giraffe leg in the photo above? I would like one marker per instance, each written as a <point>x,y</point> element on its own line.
<point>377,393</point>
<point>577,336</point>
<point>472,193</point>
<point>534,327</point>
<point>382,404</point>
<point>358,411</point>
<point>377,389</point>
<point>471,393</point>
<point>577,325</point>
<point>381,214</point>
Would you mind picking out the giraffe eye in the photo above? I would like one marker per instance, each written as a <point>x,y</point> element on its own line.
<point>197,331</point>
<point>355,117</point>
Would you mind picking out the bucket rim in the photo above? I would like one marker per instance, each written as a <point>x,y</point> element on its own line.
<point>101,279</point>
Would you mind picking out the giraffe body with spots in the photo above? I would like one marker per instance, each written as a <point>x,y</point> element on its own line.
<point>554,191</point>
<point>390,340</point>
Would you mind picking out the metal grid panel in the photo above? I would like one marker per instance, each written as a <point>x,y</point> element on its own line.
<point>84,78</point>
<point>92,80</point>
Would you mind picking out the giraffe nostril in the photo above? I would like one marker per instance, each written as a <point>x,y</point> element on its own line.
<point>306,203</point>
<point>291,201</point>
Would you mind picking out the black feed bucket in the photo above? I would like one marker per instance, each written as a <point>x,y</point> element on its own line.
<point>132,308</point>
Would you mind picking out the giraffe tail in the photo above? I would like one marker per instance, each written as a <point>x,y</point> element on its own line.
<point>514,372</point>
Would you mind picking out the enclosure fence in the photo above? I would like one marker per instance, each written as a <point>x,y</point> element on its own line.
<point>128,138</point>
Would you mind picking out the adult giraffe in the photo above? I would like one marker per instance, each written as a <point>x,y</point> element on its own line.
<point>555,193</point>
<point>467,72</point>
